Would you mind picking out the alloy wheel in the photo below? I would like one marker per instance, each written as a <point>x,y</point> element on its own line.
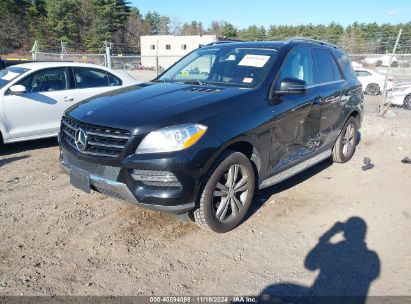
<point>349,139</point>
<point>230,193</point>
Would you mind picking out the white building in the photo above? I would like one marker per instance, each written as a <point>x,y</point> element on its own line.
<point>169,48</point>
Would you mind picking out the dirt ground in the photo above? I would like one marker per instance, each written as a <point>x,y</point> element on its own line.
<point>56,240</point>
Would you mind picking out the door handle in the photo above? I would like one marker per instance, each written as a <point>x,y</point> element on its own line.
<point>68,98</point>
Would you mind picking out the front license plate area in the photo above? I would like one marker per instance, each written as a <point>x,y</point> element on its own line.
<point>80,180</point>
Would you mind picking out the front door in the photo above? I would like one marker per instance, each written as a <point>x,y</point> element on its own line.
<point>297,117</point>
<point>38,111</point>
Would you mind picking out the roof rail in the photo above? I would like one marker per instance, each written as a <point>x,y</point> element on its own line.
<point>220,42</point>
<point>296,39</point>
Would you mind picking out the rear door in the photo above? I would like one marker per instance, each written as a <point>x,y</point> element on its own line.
<point>38,111</point>
<point>296,117</point>
<point>89,82</point>
<point>329,85</point>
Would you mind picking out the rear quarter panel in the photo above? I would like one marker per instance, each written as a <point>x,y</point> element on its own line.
<point>352,97</point>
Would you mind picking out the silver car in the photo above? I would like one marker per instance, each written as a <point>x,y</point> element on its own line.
<point>33,96</point>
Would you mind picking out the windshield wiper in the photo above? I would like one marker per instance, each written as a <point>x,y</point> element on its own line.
<point>161,80</point>
<point>198,82</point>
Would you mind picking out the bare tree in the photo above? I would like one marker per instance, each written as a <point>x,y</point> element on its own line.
<point>175,26</point>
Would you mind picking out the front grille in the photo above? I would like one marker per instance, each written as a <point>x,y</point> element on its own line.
<point>107,172</point>
<point>101,141</point>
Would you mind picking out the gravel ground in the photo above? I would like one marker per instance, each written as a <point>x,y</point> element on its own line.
<point>56,240</point>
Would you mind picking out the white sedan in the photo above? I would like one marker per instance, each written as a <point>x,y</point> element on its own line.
<point>372,82</point>
<point>33,96</point>
<point>400,95</point>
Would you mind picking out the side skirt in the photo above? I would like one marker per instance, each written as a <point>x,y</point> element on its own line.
<point>33,137</point>
<point>283,175</point>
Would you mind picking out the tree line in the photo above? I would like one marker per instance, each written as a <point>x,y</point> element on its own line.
<point>85,25</point>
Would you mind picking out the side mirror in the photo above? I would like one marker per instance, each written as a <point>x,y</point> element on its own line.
<point>291,86</point>
<point>18,89</point>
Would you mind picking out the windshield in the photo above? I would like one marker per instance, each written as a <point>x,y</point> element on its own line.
<point>225,65</point>
<point>10,73</point>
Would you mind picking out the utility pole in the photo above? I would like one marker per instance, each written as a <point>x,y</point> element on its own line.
<point>108,55</point>
<point>63,50</point>
<point>34,50</point>
<point>157,57</point>
<point>383,109</point>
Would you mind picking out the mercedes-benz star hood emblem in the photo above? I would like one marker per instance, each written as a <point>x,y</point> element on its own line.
<point>81,139</point>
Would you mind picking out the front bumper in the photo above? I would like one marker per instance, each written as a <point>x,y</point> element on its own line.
<point>108,180</point>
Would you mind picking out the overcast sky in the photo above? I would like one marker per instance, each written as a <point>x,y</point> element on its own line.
<point>243,13</point>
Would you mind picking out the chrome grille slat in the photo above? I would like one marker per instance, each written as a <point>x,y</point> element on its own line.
<point>68,134</point>
<point>99,154</point>
<point>67,125</point>
<point>95,143</point>
<point>106,135</point>
<point>102,141</point>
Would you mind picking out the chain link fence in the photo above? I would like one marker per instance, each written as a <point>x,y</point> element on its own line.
<point>155,64</point>
<point>99,59</point>
<point>398,94</point>
<point>372,70</point>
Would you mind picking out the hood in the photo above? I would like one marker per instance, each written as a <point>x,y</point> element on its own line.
<point>149,106</point>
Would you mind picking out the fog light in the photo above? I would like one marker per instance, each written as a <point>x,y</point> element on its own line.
<point>156,178</point>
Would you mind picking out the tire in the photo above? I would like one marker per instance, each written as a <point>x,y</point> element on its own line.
<point>222,207</point>
<point>372,89</point>
<point>346,143</point>
<point>407,102</point>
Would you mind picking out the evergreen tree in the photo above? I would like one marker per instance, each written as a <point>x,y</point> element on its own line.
<point>153,19</point>
<point>14,25</point>
<point>86,24</point>
<point>63,22</point>
<point>109,17</point>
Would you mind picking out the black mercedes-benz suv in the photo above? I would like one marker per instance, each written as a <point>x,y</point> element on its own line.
<point>225,120</point>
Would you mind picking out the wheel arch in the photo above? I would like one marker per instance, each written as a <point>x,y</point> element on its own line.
<point>243,145</point>
<point>248,149</point>
<point>357,116</point>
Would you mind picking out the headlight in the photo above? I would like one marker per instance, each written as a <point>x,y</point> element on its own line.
<point>171,138</point>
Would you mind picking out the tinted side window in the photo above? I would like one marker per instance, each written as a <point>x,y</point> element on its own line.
<point>47,80</point>
<point>361,73</point>
<point>113,80</point>
<point>90,78</point>
<point>298,64</point>
<point>337,73</point>
<point>345,65</point>
<point>324,70</point>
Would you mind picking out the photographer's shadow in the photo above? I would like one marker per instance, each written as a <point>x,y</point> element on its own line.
<point>347,269</point>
